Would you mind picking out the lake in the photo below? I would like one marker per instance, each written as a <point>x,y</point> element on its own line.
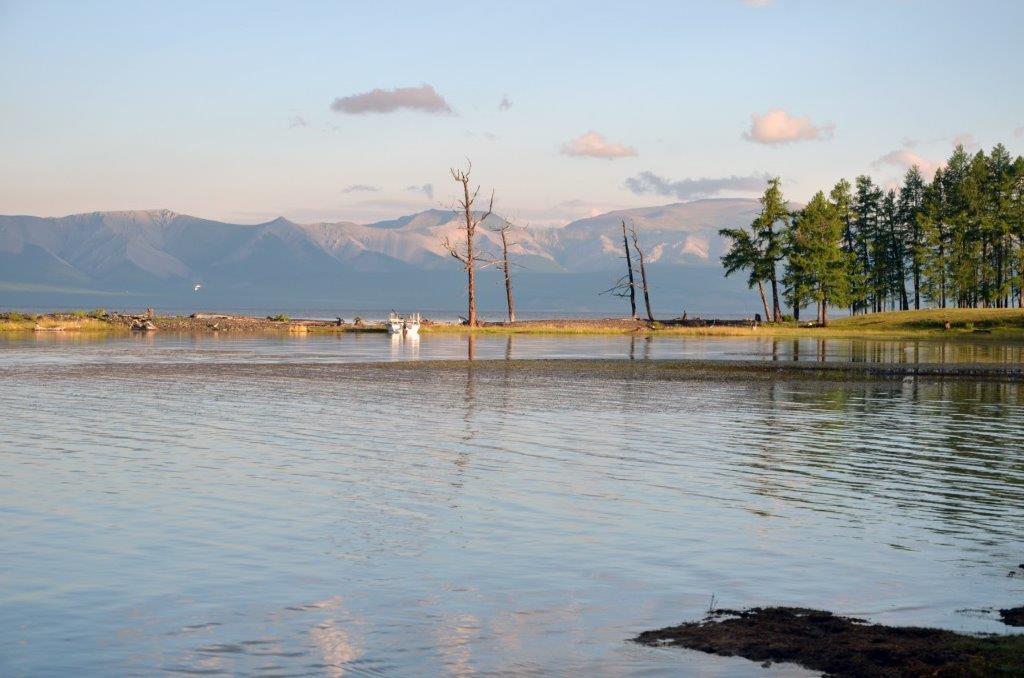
<point>163,510</point>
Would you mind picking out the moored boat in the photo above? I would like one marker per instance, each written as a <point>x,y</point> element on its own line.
<point>403,324</point>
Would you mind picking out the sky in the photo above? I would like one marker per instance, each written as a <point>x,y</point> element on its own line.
<point>246,111</point>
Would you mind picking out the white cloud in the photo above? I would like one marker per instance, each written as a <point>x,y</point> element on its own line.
<point>779,127</point>
<point>967,140</point>
<point>594,145</point>
<point>423,98</point>
<point>360,188</point>
<point>1018,133</point>
<point>904,159</point>
<point>692,189</point>
<point>757,3</point>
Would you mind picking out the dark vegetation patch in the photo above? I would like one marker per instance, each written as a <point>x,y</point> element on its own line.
<point>526,372</point>
<point>1013,616</point>
<point>844,646</point>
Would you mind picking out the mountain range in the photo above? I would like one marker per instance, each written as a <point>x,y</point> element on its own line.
<point>157,257</point>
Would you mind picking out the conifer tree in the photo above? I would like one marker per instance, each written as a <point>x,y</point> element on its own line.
<point>910,206</point>
<point>768,228</point>
<point>867,238</point>
<point>743,255</point>
<point>816,259</point>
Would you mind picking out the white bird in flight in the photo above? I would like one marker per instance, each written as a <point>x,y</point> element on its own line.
<point>195,288</point>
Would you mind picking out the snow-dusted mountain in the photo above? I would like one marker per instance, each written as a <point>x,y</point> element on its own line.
<point>161,252</point>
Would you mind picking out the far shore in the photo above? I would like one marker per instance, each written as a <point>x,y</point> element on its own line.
<point>941,324</point>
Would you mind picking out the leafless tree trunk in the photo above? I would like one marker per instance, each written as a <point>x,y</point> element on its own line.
<point>506,269</point>
<point>764,300</point>
<point>629,269</point>
<point>468,256</point>
<point>643,273</point>
<point>776,306</point>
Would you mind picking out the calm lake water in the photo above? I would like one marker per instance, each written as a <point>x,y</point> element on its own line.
<point>467,522</point>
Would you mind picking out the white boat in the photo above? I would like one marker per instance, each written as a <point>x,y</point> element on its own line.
<point>403,324</point>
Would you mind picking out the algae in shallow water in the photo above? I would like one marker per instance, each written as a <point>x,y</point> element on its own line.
<point>844,646</point>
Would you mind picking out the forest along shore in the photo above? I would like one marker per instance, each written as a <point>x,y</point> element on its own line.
<point>959,323</point>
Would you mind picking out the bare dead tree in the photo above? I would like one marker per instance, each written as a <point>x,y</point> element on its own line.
<point>643,271</point>
<point>629,270</point>
<point>506,267</point>
<point>467,255</point>
<point>626,285</point>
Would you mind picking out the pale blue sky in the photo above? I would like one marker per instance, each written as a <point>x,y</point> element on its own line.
<point>223,109</point>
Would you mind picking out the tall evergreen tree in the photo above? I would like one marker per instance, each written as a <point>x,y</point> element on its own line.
<point>816,260</point>
<point>1001,175</point>
<point>841,198</point>
<point>960,240</point>
<point>910,206</point>
<point>1014,211</point>
<point>745,255</point>
<point>869,241</point>
<point>936,235</point>
<point>768,228</point>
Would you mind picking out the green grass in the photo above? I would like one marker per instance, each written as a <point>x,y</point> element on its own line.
<point>71,322</point>
<point>934,320</point>
<point>964,323</point>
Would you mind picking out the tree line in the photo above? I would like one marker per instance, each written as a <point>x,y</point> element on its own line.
<point>956,240</point>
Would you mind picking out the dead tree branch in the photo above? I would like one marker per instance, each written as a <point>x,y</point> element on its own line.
<point>643,271</point>
<point>465,252</point>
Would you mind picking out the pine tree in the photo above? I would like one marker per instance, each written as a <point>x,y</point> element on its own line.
<point>744,254</point>
<point>910,206</point>
<point>797,283</point>
<point>841,198</point>
<point>891,257</point>
<point>962,241</point>
<point>869,242</point>
<point>817,263</point>
<point>1001,174</point>
<point>936,236</point>
<point>1014,211</point>
<point>768,228</point>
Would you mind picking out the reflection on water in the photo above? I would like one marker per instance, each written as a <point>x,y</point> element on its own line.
<point>473,520</point>
<point>68,348</point>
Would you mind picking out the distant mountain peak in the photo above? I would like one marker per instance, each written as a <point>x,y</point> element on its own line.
<point>123,249</point>
<point>280,221</point>
<point>161,213</point>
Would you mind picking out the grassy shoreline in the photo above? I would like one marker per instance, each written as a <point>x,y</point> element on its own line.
<point>930,324</point>
<point>939,324</point>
